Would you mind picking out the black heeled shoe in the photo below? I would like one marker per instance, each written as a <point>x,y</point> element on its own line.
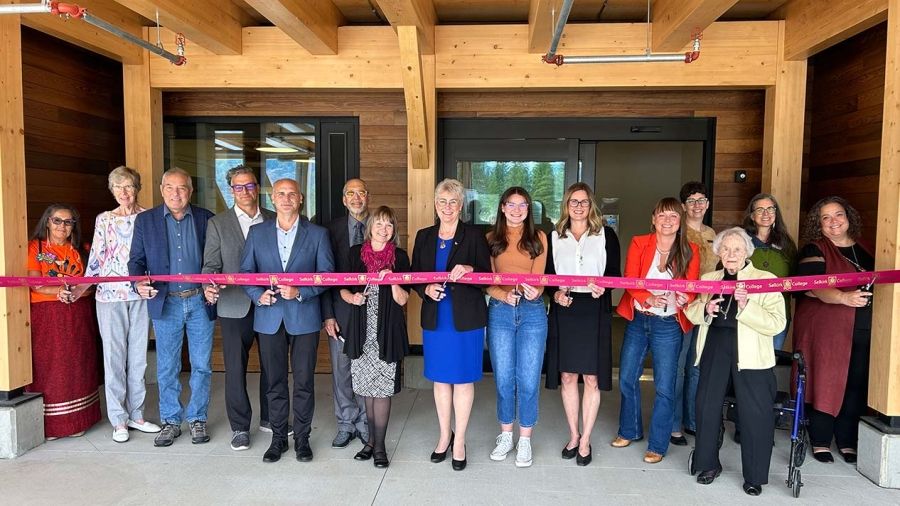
<point>707,477</point>
<point>380,460</point>
<point>751,489</point>
<point>459,465</point>
<point>438,457</point>
<point>365,453</point>
<point>583,460</point>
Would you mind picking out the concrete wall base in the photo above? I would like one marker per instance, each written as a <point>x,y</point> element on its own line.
<point>879,453</point>
<point>21,425</point>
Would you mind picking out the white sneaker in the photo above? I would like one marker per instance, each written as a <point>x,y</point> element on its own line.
<point>523,453</point>
<point>120,434</point>
<point>148,427</point>
<point>504,445</point>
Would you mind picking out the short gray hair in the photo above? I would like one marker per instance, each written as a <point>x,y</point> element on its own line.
<point>453,186</point>
<point>122,173</point>
<point>237,170</point>
<point>179,171</point>
<point>733,231</point>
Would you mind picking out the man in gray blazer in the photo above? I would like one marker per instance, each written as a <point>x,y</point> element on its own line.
<point>288,318</point>
<point>225,235</point>
<point>345,232</point>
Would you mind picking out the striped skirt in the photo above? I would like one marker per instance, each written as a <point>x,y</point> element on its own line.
<point>64,343</point>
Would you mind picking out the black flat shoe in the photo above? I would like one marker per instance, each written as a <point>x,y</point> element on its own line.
<point>458,465</point>
<point>583,460</point>
<point>569,453</point>
<point>678,440</point>
<point>690,432</point>
<point>825,457</point>
<point>438,457</point>
<point>364,454</point>
<point>381,460</point>
<point>751,489</point>
<point>849,457</point>
<point>707,477</point>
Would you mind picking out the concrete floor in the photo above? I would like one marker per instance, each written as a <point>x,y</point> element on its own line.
<point>95,470</point>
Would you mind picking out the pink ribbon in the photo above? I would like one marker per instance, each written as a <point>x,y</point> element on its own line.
<point>791,284</point>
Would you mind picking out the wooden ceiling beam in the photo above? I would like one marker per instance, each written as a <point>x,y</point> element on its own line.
<point>540,25</point>
<point>78,32</point>
<point>414,94</point>
<point>214,25</point>
<point>418,13</point>
<point>312,23</point>
<point>814,25</point>
<point>674,21</point>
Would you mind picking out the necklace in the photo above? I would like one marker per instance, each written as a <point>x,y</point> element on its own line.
<point>661,252</point>
<point>855,260</point>
<point>444,243</point>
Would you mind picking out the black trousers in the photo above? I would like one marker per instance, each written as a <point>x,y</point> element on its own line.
<point>755,392</point>
<point>274,352</point>
<point>237,338</point>
<point>844,428</point>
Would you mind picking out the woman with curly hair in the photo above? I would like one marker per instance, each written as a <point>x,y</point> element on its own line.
<point>832,328</point>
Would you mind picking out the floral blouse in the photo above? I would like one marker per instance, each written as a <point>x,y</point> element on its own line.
<point>110,250</point>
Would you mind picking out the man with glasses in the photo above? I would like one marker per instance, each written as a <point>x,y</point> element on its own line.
<point>169,239</point>
<point>288,318</point>
<point>225,237</point>
<point>345,232</point>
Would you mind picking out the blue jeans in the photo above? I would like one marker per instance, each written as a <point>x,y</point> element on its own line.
<point>662,337</point>
<point>686,380</point>
<point>180,315</point>
<point>517,338</point>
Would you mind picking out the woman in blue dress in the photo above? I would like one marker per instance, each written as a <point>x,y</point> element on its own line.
<point>454,316</point>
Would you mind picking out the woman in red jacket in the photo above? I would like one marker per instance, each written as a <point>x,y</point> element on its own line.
<point>656,324</point>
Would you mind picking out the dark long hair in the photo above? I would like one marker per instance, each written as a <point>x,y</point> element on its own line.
<point>530,242</point>
<point>681,253</point>
<point>778,236</point>
<point>40,230</point>
<point>812,231</point>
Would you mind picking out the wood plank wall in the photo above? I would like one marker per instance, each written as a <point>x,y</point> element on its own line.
<point>847,100</point>
<point>382,145</point>
<point>739,133</point>
<point>74,130</point>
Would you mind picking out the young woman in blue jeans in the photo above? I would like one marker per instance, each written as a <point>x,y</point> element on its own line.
<point>517,322</point>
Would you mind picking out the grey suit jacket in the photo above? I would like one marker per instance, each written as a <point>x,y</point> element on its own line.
<point>224,244</point>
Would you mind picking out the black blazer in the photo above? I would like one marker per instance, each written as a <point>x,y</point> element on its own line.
<point>332,305</point>
<point>469,248</point>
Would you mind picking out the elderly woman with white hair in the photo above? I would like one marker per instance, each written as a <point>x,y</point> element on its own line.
<point>735,347</point>
<point>453,316</point>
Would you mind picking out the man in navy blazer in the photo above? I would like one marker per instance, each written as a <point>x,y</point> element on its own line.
<point>287,318</point>
<point>169,239</point>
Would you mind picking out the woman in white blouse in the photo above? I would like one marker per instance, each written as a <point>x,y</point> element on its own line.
<point>580,326</point>
<point>121,313</point>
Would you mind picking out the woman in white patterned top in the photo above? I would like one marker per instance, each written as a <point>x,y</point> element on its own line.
<point>121,313</point>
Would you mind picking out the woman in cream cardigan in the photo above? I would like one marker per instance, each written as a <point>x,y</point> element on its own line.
<point>735,346</point>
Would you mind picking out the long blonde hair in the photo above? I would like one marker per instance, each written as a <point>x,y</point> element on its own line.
<point>595,221</point>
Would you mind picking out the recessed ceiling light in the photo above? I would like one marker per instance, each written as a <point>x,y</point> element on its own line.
<point>272,149</point>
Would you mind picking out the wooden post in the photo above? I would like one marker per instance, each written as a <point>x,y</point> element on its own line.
<point>783,136</point>
<point>143,128</point>
<point>15,311</point>
<point>884,367</point>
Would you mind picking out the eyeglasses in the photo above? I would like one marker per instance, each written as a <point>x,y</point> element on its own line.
<point>241,188</point>
<point>59,221</point>
<point>698,202</point>
<point>445,202</point>
<point>512,206</point>
<point>358,193</point>
<point>579,203</point>
<point>759,211</point>
<point>124,187</point>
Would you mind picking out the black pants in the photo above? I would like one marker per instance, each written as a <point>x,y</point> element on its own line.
<point>755,392</point>
<point>274,350</point>
<point>237,338</point>
<point>844,428</point>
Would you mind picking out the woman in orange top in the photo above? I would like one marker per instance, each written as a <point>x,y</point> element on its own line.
<point>656,324</point>
<point>63,329</point>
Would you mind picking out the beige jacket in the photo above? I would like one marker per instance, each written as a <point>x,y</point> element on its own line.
<point>758,322</point>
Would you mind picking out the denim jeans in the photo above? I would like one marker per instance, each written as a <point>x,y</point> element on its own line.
<point>662,337</point>
<point>179,315</point>
<point>517,338</point>
<point>686,380</point>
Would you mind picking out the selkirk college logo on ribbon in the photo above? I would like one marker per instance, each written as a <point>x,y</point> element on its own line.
<point>787,285</point>
<point>832,280</point>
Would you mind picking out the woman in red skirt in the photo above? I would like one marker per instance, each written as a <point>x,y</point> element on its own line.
<point>63,329</point>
